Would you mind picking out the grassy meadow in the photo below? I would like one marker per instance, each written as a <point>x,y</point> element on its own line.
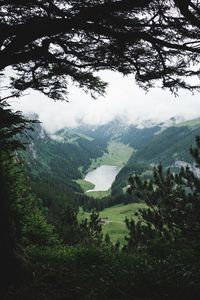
<point>114,219</point>
<point>99,194</point>
<point>117,155</point>
<point>85,185</point>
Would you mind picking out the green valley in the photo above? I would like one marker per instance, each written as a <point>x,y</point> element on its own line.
<point>113,219</point>
<point>57,165</point>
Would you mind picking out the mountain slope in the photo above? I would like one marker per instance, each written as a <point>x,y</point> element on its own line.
<point>54,163</point>
<point>168,147</point>
<point>60,160</point>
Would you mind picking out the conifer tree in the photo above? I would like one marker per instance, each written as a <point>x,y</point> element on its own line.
<point>173,206</point>
<point>91,230</point>
<point>11,124</point>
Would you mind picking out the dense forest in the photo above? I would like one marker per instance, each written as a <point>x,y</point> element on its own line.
<point>47,252</point>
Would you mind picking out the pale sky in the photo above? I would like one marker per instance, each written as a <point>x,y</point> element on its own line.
<point>124,99</point>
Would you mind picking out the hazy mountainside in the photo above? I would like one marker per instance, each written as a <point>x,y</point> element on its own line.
<point>170,146</point>
<point>116,130</point>
<point>64,150</point>
<point>166,147</point>
<point>54,162</point>
<point>139,137</point>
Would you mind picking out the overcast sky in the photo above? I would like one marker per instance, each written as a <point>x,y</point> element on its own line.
<point>123,100</point>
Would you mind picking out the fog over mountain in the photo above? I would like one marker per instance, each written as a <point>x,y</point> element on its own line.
<point>124,100</point>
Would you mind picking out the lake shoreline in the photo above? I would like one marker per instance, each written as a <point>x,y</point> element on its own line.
<point>102,177</point>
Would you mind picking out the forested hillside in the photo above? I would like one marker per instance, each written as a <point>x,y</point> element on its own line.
<point>67,154</point>
<point>55,162</point>
<point>166,146</point>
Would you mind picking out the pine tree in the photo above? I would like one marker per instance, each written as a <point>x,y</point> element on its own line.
<point>91,230</point>
<point>11,125</point>
<point>173,206</point>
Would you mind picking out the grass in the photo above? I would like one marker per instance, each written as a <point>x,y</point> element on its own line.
<point>99,194</point>
<point>117,155</point>
<point>85,185</point>
<point>114,217</point>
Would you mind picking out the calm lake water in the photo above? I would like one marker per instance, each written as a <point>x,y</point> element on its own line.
<point>102,177</point>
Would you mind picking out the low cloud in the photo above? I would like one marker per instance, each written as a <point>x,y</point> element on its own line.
<point>124,100</point>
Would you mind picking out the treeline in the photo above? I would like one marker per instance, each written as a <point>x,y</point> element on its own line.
<point>90,203</point>
<point>54,194</point>
<point>27,225</point>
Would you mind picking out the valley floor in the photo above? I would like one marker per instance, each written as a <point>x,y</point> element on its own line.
<point>113,219</point>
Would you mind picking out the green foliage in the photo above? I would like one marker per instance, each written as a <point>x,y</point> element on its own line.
<point>11,124</point>
<point>173,212</point>
<point>123,35</point>
<point>91,230</point>
<point>164,264</point>
<point>25,209</point>
<point>121,180</point>
<point>37,230</point>
<point>102,273</point>
<point>21,222</point>
<point>64,218</point>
